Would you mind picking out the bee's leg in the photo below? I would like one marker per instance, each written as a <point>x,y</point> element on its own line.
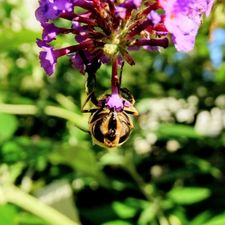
<point>91,69</point>
<point>88,110</point>
<point>83,110</point>
<point>91,80</point>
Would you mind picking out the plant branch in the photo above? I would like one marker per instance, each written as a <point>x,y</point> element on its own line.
<point>12,194</point>
<point>48,110</point>
<point>144,188</point>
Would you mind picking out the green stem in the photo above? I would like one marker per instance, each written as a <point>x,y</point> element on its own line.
<point>78,120</point>
<point>139,181</point>
<point>48,110</point>
<point>18,109</point>
<point>144,188</point>
<point>15,196</point>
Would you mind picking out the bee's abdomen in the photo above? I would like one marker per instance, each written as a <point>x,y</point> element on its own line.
<point>96,131</point>
<point>112,127</point>
<point>125,127</point>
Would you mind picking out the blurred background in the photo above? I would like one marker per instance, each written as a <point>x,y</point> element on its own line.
<point>171,171</point>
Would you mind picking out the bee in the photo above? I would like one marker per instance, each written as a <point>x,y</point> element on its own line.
<point>109,127</point>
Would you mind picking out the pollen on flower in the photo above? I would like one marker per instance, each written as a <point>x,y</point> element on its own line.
<point>172,16</point>
<point>110,49</point>
<point>120,1</point>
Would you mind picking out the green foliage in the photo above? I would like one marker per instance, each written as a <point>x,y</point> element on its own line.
<point>170,171</point>
<point>188,195</point>
<point>117,222</point>
<point>9,125</point>
<point>7,214</point>
<point>177,130</point>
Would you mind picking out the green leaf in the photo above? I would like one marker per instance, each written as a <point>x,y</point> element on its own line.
<point>25,218</point>
<point>117,222</point>
<point>123,210</point>
<point>100,213</point>
<point>16,38</point>
<point>201,218</point>
<point>7,214</point>
<point>177,130</point>
<point>204,165</point>
<point>188,195</point>
<point>113,158</point>
<point>8,125</point>
<point>147,215</point>
<point>137,203</point>
<point>84,159</point>
<point>81,158</point>
<point>12,152</point>
<point>219,75</point>
<point>217,220</point>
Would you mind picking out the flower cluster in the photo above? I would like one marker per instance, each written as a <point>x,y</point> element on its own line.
<point>182,20</point>
<point>101,29</point>
<point>106,30</point>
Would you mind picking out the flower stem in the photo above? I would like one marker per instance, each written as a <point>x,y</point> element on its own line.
<point>74,48</point>
<point>48,110</point>
<point>12,194</point>
<point>115,79</point>
<point>163,42</point>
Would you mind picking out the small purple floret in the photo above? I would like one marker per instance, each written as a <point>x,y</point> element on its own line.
<point>154,17</point>
<point>49,33</point>
<point>117,103</point>
<point>78,63</point>
<point>51,9</point>
<point>48,58</point>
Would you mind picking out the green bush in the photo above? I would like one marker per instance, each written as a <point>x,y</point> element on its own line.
<point>169,172</point>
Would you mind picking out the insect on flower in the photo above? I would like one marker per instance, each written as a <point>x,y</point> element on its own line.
<point>105,31</point>
<point>110,124</point>
<point>110,127</point>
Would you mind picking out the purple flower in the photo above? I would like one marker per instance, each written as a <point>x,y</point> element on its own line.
<point>115,102</point>
<point>51,9</point>
<point>77,62</point>
<point>48,57</point>
<point>99,25</point>
<point>154,17</point>
<point>209,7</point>
<point>50,32</point>
<point>126,7</point>
<point>132,3</point>
<point>183,18</point>
<point>112,27</point>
